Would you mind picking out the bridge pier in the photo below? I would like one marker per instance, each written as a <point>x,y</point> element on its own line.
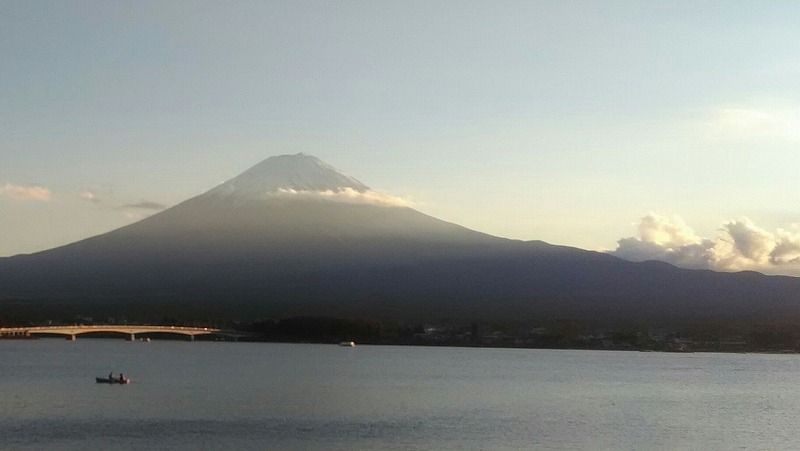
<point>131,337</point>
<point>71,337</point>
<point>191,337</point>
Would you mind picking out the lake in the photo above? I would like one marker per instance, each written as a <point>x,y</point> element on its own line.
<point>208,395</point>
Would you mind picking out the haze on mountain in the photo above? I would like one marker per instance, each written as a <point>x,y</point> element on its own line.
<point>293,236</point>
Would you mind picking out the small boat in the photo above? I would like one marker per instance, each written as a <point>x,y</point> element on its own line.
<point>113,380</point>
<point>348,344</point>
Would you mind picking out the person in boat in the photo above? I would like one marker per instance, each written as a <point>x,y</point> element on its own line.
<point>111,376</point>
<point>121,377</point>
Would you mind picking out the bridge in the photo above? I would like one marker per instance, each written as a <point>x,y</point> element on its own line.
<point>72,331</point>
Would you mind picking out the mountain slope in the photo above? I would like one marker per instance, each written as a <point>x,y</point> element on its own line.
<point>294,236</point>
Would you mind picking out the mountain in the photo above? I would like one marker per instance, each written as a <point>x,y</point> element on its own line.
<point>299,172</point>
<point>294,236</point>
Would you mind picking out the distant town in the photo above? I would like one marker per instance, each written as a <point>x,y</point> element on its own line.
<point>563,334</point>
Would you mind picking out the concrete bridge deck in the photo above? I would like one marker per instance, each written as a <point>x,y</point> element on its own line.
<point>72,331</point>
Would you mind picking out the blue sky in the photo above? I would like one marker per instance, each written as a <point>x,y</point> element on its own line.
<point>562,121</point>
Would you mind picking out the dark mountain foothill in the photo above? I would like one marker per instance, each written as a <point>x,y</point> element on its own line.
<point>294,237</point>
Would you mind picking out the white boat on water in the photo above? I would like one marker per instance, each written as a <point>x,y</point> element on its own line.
<point>348,344</point>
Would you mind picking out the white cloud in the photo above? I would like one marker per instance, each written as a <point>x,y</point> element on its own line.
<point>26,192</point>
<point>749,241</point>
<point>737,122</point>
<point>89,196</point>
<point>666,231</point>
<point>787,247</point>
<point>739,245</point>
<point>135,215</point>
<point>347,195</point>
<point>667,239</point>
<point>144,205</point>
<point>140,210</point>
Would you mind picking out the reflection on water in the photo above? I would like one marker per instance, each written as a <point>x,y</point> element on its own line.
<point>291,396</point>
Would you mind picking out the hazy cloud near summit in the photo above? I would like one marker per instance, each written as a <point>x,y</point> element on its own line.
<point>348,195</point>
<point>26,192</point>
<point>145,205</point>
<point>141,210</point>
<point>739,245</point>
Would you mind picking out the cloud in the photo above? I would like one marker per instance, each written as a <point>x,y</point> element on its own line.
<point>140,210</point>
<point>736,122</point>
<point>347,195</point>
<point>787,247</point>
<point>144,205</point>
<point>667,239</point>
<point>89,196</point>
<point>666,231</point>
<point>26,192</point>
<point>739,245</point>
<point>749,241</point>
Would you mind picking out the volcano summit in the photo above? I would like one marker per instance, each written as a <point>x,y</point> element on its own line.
<point>293,236</point>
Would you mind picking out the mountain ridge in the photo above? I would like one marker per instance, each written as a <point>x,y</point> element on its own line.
<point>278,240</point>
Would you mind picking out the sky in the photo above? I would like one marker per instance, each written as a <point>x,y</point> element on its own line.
<point>664,130</point>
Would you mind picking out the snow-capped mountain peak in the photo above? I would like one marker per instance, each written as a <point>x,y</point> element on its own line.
<point>293,173</point>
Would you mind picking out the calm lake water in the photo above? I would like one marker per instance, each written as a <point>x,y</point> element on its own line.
<point>206,395</point>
